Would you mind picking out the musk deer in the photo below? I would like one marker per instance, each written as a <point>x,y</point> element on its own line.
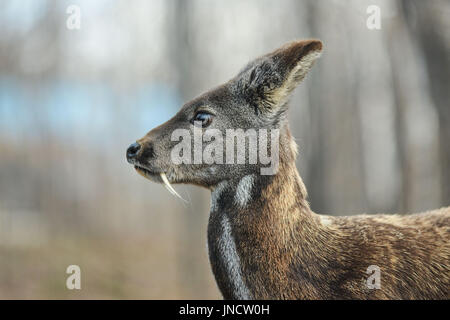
<point>264,241</point>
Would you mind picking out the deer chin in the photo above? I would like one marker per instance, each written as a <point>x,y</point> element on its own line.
<point>159,177</point>
<point>150,175</point>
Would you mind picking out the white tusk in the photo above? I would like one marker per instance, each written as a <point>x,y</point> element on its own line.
<point>169,187</point>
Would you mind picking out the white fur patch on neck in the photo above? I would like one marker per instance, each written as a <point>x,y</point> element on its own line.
<point>244,190</point>
<point>216,194</point>
<point>232,261</point>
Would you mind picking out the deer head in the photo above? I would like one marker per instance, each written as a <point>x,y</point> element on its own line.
<point>197,145</point>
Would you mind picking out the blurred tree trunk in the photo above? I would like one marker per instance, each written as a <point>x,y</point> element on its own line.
<point>429,20</point>
<point>417,127</point>
<point>336,132</point>
<point>192,237</point>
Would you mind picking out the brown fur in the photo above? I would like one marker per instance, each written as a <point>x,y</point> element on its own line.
<point>287,253</point>
<point>274,246</point>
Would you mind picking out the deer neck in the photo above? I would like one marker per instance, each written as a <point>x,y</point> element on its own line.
<point>258,226</point>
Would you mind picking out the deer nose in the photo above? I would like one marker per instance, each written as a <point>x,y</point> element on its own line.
<point>133,151</point>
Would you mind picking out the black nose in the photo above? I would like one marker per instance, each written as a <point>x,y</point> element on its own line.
<point>133,150</point>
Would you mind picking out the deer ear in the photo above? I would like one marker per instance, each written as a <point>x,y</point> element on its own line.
<point>268,81</point>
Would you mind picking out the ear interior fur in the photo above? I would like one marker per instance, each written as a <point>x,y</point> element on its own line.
<point>269,80</point>
<point>294,76</point>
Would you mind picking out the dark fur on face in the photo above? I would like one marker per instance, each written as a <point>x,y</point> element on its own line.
<point>264,241</point>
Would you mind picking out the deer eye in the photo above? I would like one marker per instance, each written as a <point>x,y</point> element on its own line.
<point>203,118</point>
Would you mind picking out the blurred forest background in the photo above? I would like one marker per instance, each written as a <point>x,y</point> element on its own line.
<point>372,120</point>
